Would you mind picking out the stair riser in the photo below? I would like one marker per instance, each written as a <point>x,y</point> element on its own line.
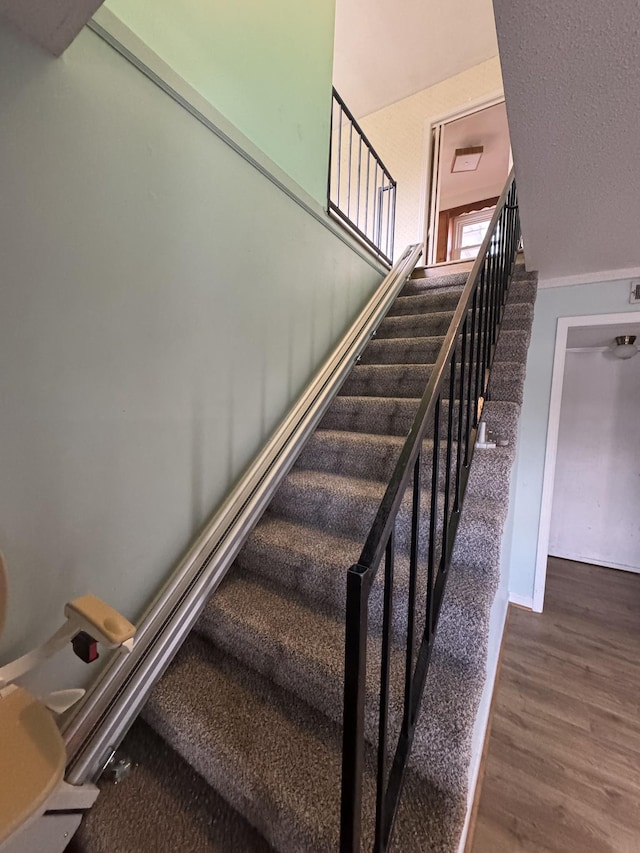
<point>410,381</point>
<point>414,299</point>
<point>367,460</point>
<point>434,284</point>
<point>382,416</point>
<point>348,512</point>
<point>512,346</point>
<point>516,316</point>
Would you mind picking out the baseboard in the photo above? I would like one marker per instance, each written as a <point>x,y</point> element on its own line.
<point>477,772</point>
<point>525,601</point>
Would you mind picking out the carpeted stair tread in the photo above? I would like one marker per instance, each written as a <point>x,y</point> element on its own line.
<point>360,455</point>
<point>188,815</point>
<point>512,346</point>
<point>410,380</point>
<point>517,315</point>
<point>430,300</point>
<point>325,499</point>
<point>338,502</point>
<point>352,453</point>
<point>314,564</point>
<point>415,325</point>
<point>420,282</point>
<point>427,302</point>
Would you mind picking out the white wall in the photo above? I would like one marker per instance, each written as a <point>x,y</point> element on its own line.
<point>162,305</point>
<point>596,499</point>
<point>400,135</point>
<point>605,297</point>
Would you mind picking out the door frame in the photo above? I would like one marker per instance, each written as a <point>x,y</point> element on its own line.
<point>429,195</point>
<point>553,428</point>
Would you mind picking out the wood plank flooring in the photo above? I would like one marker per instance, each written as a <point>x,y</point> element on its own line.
<point>563,766</point>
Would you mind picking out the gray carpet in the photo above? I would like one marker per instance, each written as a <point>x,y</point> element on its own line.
<point>241,745</point>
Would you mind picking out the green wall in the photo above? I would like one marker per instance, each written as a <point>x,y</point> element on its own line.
<point>267,66</point>
<point>163,305</point>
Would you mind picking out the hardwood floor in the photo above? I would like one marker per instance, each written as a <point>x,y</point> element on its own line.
<point>563,766</point>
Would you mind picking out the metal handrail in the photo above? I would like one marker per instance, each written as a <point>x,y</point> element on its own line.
<point>463,367</point>
<point>366,194</point>
<point>108,710</point>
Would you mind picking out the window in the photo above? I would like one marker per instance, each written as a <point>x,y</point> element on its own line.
<point>468,232</point>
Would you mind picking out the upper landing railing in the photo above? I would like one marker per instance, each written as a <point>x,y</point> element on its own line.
<point>361,192</point>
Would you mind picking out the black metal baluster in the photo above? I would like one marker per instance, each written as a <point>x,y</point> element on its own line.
<point>444,556</point>
<point>339,156</point>
<point>331,159</point>
<point>359,174</point>
<point>486,329</point>
<point>479,355</point>
<point>355,670</point>
<point>472,349</point>
<point>433,519</point>
<point>376,206</point>
<point>349,172</point>
<point>387,193</point>
<point>393,220</point>
<point>407,720</point>
<point>463,360</point>
<point>366,198</point>
<point>492,295</point>
<point>381,786</point>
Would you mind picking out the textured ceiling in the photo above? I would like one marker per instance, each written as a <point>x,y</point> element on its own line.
<point>53,24</point>
<point>386,50</point>
<point>572,84</point>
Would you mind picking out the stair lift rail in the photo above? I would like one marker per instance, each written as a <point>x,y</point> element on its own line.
<point>110,707</point>
<point>449,415</point>
<point>361,192</point>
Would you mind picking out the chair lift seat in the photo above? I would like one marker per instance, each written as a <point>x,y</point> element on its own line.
<point>32,757</point>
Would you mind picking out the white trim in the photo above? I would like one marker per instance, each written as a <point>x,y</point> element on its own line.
<point>474,770</point>
<point>557,380</point>
<point>521,600</point>
<point>108,26</point>
<point>483,103</point>
<point>590,277</point>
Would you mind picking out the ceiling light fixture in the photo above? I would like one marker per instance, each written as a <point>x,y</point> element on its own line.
<point>624,346</point>
<point>467,159</point>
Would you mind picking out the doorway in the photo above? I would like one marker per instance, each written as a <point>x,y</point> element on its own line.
<point>591,490</point>
<point>470,162</point>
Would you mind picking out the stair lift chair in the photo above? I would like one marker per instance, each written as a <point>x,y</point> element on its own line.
<point>39,811</point>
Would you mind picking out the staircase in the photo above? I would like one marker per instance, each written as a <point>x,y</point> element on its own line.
<point>240,745</point>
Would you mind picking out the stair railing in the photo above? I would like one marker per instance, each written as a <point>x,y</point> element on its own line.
<point>361,192</point>
<point>450,412</point>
